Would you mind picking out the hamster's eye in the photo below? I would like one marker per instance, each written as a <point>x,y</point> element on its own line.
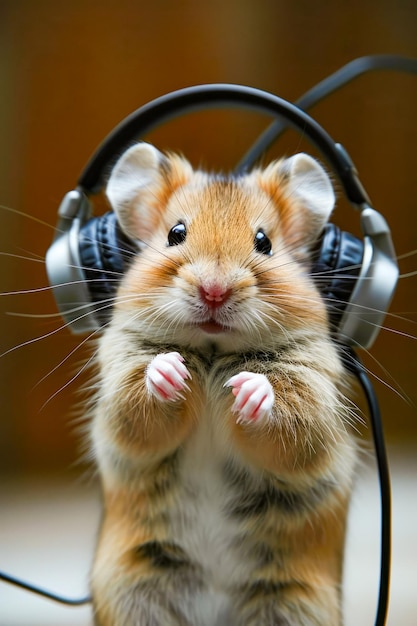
<point>262,243</point>
<point>177,234</point>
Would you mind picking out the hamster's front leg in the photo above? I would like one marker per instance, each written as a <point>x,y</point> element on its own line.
<point>141,410</point>
<point>288,430</point>
<point>288,415</point>
<point>140,573</point>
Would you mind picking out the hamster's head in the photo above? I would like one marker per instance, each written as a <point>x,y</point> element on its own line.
<point>224,261</point>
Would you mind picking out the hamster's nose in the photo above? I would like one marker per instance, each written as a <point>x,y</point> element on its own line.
<point>214,295</point>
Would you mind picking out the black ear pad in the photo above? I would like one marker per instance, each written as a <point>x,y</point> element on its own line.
<point>105,254</point>
<point>336,268</point>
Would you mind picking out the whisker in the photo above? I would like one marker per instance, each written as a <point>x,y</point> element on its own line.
<point>22,292</point>
<point>50,287</point>
<point>395,389</point>
<point>406,255</point>
<point>69,382</point>
<point>395,331</point>
<point>273,320</point>
<point>154,313</point>
<point>68,356</point>
<point>272,288</point>
<point>408,274</point>
<point>27,215</point>
<point>21,257</point>
<point>35,316</point>
<point>34,340</point>
<point>62,327</point>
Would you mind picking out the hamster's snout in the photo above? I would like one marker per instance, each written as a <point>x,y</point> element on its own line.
<point>214,295</point>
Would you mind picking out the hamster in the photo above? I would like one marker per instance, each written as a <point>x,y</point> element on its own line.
<point>221,430</point>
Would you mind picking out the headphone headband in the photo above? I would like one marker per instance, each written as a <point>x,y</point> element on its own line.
<point>199,97</point>
<point>85,303</point>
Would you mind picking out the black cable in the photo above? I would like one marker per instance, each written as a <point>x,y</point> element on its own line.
<point>353,363</point>
<point>323,89</point>
<point>43,592</point>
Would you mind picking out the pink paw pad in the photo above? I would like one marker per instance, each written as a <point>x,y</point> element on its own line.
<point>254,396</point>
<point>166,375</point>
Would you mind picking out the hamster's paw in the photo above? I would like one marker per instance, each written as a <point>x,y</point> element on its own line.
<point>254,396</point>
<point>166,375</point>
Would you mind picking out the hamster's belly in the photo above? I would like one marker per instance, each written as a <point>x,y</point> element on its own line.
<point>200,526</point>
<point>200,521</point>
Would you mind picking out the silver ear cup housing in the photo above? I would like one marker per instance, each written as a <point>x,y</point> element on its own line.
<point>64,267</point>
<point>375,286</point>
<point>85,263</point>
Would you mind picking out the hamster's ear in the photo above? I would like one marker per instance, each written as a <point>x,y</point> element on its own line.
<point>139,186</point>
<point>308,182</point>
<point>304,197</point>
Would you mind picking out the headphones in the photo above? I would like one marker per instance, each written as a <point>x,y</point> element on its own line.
<point>357,277</point>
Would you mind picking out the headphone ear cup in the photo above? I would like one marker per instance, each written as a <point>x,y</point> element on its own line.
<point>336,267</point>
<point>105,253</point>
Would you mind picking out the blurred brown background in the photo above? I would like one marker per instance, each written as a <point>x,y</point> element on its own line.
<point>71,71</point>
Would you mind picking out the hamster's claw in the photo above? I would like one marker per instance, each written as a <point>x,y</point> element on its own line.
<point>166,375</point>
<point>254,396</point>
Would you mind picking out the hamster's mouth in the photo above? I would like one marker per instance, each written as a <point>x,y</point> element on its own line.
<point>212,327</point>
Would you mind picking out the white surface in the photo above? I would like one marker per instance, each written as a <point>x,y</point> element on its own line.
<point>47,534</point>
